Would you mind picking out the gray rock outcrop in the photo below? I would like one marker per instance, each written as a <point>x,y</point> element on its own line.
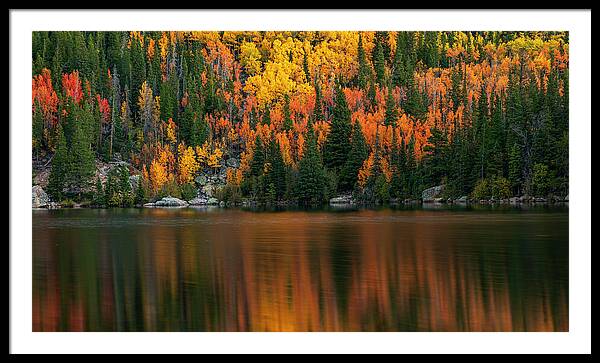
<point>431,194</point>
<point>39,198</point>
<point>342,199</point>
<point>170,202</point>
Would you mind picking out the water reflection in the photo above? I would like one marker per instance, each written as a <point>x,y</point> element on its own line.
<point>232,270</point>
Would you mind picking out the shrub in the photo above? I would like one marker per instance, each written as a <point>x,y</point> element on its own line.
<point>540,180</point>
<point>67,203</point>
<point>501,188</point>
<point>482,190</point>
<point>188,191</point>
<point>230,193</point>
<point>382,189</point>
<point>170,188</point>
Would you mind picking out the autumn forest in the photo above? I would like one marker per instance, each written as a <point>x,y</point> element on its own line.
<point>300,117</point>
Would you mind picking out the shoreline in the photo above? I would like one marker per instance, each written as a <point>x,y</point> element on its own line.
<point>423,205</point>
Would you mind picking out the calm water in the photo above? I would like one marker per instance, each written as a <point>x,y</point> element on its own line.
<point>364,270</point>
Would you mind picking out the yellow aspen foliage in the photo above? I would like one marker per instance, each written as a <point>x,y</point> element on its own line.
<point>171,134</point>
<point>144,95</point>
<point>134,35</point>
<point>151,48</point>
<point>214,160</point>
<point>158,176</point>
<point>365,171</point>
<point>187,165</point>
<point>250,58</point>
<point>203,153</point>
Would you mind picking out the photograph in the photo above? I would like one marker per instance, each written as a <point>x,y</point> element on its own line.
<point>301,180</point>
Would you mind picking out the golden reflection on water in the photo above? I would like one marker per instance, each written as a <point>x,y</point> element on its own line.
<point>188,270</point>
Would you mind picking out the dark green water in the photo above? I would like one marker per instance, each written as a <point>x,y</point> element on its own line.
<point>353,270</point>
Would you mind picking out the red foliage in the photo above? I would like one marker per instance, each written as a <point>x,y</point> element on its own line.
<point>44,95</point>
<point>104,108</point>
<point>72,86</point>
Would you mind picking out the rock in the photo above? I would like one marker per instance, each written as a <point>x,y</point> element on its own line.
<point>149,205</point>
<point>439,200</point>
<point>514,200</point>
<point>42,178</point>
<point>430,194</point>
<point>221,204</point>
<point>198,201</point>
<point>171,202</point>
<point>567,198</point>
<point>539,200</point>
<point>208,190</point>
<point>201,180</point>
<point>134,180</point>
<point>212,201</point>
<point>462,199</point>
<point>233,163</point>
<point>39,198</point>
<point>526,199</point>
<point>342,199</point>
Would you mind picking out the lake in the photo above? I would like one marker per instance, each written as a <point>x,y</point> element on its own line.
<point>407,269</point>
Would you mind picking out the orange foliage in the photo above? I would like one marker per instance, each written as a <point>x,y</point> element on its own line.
<point>72,86</point>
<point>43,93</point>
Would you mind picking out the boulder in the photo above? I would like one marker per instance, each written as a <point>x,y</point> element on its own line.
<point>170,202</point>
<point>134,180</point>
<point>342,199</point>
<point>201,180</point>
<point>149,205</point>
<point>42,178</point>
<point>514,200</point>
<point>539,200</point>
<point>567,198</point>
<point>208,190</point>
<point>439,200</point>
<point>212,201</point>
<point>198,201</point>
<point>39,198</point>
<point>233,163</point>
<point>462,199</point>
<point>430,194</point>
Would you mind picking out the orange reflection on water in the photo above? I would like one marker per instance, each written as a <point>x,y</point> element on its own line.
<point>187,270</point>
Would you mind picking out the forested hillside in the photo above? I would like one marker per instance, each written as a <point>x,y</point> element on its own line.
<point>301,116</point>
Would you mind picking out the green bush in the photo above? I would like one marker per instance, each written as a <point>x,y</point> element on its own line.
<point>170,188</point>
<point>67,203</point>
<point>188,191</point>
<point>482,190</point>
<point>230,193</point>
<point>382,189</point>
<point>332,183</point>
<point>540,180</point>
<point>501,188</point>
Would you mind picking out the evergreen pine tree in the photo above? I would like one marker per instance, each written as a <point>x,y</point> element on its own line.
<point>60,167</point>
<point>311,175</point>
<point>287,118</point>
<point>258,159</point>
<point>277,174</point>
<point>363,66</point>
<point>98,199</point>
<point>337,145</point>
<point>391,111</point>
<point>358,154</point>
<point>379,63</point>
